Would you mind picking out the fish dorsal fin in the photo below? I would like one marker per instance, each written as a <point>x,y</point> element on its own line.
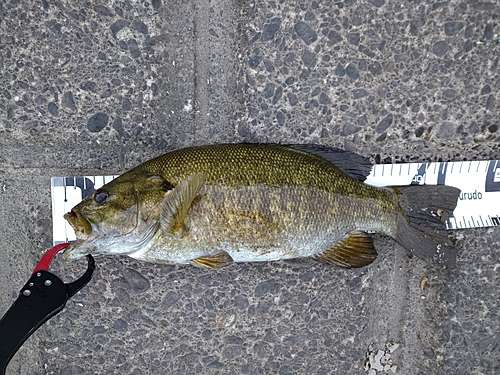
<point>177,202</point>
<point>353,165</point>
<point>354,251</point>
<point>218,260</point>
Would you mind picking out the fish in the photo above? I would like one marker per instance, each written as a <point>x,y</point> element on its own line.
<point>210,206</point>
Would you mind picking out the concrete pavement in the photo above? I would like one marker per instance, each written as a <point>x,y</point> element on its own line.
<point>94,88</point>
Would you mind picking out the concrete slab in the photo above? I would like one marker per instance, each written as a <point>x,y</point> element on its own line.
<point>98,87</point>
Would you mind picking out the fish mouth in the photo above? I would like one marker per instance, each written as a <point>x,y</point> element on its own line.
<point>84,233</point>
<point>80,224</point>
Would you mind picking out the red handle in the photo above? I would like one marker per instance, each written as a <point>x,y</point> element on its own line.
<point>44,263</point>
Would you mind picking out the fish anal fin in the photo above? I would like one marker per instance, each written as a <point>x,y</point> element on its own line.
<point>354,251</point>
<point>216,261</point>
<point>177,203</point>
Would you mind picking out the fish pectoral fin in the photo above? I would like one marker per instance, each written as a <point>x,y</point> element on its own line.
<point>177,202</point>
<point>354,251</point>
<point>218,260</point>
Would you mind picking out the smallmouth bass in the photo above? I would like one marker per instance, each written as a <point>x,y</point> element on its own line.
<point>210,206</point>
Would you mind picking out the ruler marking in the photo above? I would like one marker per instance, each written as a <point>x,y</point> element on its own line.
<point>64,188</point>
<point>495,220</point>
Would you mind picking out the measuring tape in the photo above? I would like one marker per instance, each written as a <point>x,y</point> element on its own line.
<point>478,203</point>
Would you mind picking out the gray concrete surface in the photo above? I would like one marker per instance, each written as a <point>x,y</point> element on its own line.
<point>97,87</point>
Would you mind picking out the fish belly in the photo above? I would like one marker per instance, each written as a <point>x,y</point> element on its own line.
<point>262,223</point>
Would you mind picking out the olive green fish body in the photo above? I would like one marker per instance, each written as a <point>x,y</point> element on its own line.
<point>212,205</point>
<point>256,223</point>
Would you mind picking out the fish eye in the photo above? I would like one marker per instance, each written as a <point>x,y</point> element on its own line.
<point>100,197</point>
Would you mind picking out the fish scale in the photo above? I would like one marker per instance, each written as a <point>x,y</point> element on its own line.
<point>310,219</point>
<point>277,166</point>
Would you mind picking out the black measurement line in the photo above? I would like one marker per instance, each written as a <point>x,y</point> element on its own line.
<point>495,220</point>
<point>442,173</point>
<point>64,185</point>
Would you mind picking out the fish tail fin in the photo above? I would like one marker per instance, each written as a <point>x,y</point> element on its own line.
<point>421,227</point>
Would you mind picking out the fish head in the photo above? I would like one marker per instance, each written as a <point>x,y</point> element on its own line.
<point>114,217</point>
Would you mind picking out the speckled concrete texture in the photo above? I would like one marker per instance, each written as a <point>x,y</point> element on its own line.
<point>97,87</point>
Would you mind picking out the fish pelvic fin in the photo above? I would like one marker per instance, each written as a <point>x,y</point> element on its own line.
<point>354,251</point>
<point>421,227</point>
<point>216,261</point>
<point>177,202</point>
